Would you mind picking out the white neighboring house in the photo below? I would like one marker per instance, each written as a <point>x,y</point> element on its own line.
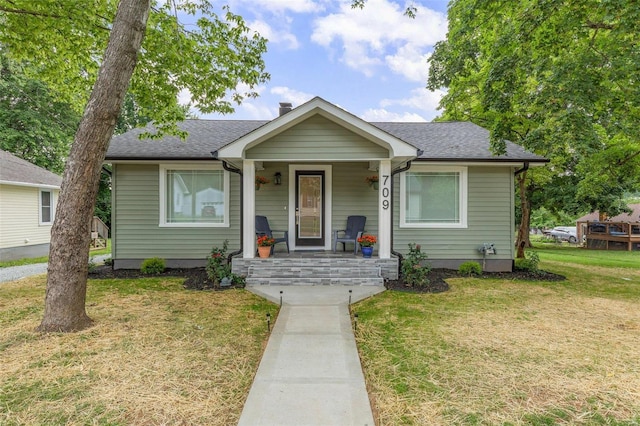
<point>28,197</point>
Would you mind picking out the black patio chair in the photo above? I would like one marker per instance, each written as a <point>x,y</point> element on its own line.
<point>263,228</point>
<point>355,229</point>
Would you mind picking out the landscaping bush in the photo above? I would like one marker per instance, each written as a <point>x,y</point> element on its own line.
<point>153,266</point>
<point>470,268</point>
<point>529,263</point>
<point>218,268</point>
<point>414,268</point>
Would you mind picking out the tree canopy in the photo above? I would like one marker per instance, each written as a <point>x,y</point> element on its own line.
<point>189,47</point>
<point>90,53</point>
<point>34,125</point>
<point>559,78</point>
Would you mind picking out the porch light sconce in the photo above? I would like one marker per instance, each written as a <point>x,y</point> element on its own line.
<point>277,178</point>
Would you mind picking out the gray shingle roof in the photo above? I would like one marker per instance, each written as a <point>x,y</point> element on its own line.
<point>439,141</point>
<point>15,169</point>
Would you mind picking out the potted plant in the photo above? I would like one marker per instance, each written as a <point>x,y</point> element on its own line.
<point>366,243</point>
<point>260,180</point>
<point>264,245</point>
<point>372,181</point>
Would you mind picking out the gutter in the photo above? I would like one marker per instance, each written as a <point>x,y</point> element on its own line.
<point>393,173</point>
<point>232,169</point>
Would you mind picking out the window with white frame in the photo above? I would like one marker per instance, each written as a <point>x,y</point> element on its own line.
<point>194,196</point>
<point>46,207</point>
<point>433,197</point>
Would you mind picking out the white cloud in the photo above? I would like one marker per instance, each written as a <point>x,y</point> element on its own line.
<point>282,37</point>
<point>381,33</point>
<point>281,6</point>
<point>287,94</point>
<point>421,99</point>
<point>381,114</point>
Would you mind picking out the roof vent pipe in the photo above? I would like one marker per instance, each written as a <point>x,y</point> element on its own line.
<point>285,107</point>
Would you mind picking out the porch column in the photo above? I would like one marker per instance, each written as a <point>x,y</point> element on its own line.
<point>249,209</point>
<point>384,209</point>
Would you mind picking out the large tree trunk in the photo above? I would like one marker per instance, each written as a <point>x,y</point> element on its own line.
<point>523,241</point>
<point>70,238</point>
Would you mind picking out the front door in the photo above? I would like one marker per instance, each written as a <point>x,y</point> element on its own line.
<point>309,213</point>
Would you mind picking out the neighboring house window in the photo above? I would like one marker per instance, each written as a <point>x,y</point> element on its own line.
<point>433,197</point>
<point>46,207</point>
<point>194,196</point>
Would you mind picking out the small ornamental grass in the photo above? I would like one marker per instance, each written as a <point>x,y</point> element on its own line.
<point>153,266</point>
<point>415,268</point>
<point>470,268</point>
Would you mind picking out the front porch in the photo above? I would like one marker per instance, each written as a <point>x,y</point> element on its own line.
<point>316,268</point>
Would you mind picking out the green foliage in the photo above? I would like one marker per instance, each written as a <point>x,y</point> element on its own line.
<point>108,261</point>
<point>218,268</point>
<point>558,79</point>
<point>153,266</point>
<point>529,263</point>
<point>213,59</point>
<point>33,124</point>
<point>414,267</point>
<point>470,268</point>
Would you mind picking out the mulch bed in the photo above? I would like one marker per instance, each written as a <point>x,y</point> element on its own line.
<point>196,278</point>
<point>438,284</point>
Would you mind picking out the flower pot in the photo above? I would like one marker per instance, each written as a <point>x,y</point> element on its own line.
<point>374,185</point>
<point>257,187</point>
<point>264,251</point>
<point>367,251</point>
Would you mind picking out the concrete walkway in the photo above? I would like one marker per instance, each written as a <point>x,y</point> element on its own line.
<point>310,373</point>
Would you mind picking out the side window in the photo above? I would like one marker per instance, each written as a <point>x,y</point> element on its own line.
<point>46,207</point>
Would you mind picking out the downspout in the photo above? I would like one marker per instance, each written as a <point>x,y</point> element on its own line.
<point>393,173</point>
<point>231,169</point>
<point>524,168</point>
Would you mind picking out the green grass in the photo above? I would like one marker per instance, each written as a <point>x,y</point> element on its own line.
<point>510,352</point>
<point>45,259</point>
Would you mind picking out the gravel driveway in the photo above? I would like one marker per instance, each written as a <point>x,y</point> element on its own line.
<point>12,273</point>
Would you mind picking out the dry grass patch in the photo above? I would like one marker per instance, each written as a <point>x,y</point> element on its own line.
<point>499,352</point>
<point>158,354</point>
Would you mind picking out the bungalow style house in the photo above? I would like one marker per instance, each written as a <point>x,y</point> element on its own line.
<point>28,196</point>
<point>438,185</point>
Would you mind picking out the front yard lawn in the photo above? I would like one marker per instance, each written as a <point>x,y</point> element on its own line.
<point>158,354</point>
<point>501,352</point>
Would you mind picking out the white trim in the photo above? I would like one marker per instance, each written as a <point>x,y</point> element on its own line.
<point>248,209</point>
<point>28,184</point>
<point>328,206</point>
<point>52,207</point>
<point>162,221</point>
<point>384,209</point>
<point>318,106</point>
<point>463,196</point>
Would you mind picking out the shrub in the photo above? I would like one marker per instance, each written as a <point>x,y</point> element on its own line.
<point>529,263</point>
<point>108,261</point>
<point>414,268</point>
<point>470,268</point>
<point>153,266</point>
<point>219,268</point>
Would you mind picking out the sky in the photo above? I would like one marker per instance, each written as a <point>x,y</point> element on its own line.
<point>371,62</point>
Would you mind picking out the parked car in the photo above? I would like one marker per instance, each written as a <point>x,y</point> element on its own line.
<point>563,233</point>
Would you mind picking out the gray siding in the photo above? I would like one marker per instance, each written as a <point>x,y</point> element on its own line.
<point>320,139</point>
<point>490,219</point>
<point>137,234</point>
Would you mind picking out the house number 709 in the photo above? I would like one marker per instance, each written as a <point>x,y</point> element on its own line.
<point>385,192</point>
